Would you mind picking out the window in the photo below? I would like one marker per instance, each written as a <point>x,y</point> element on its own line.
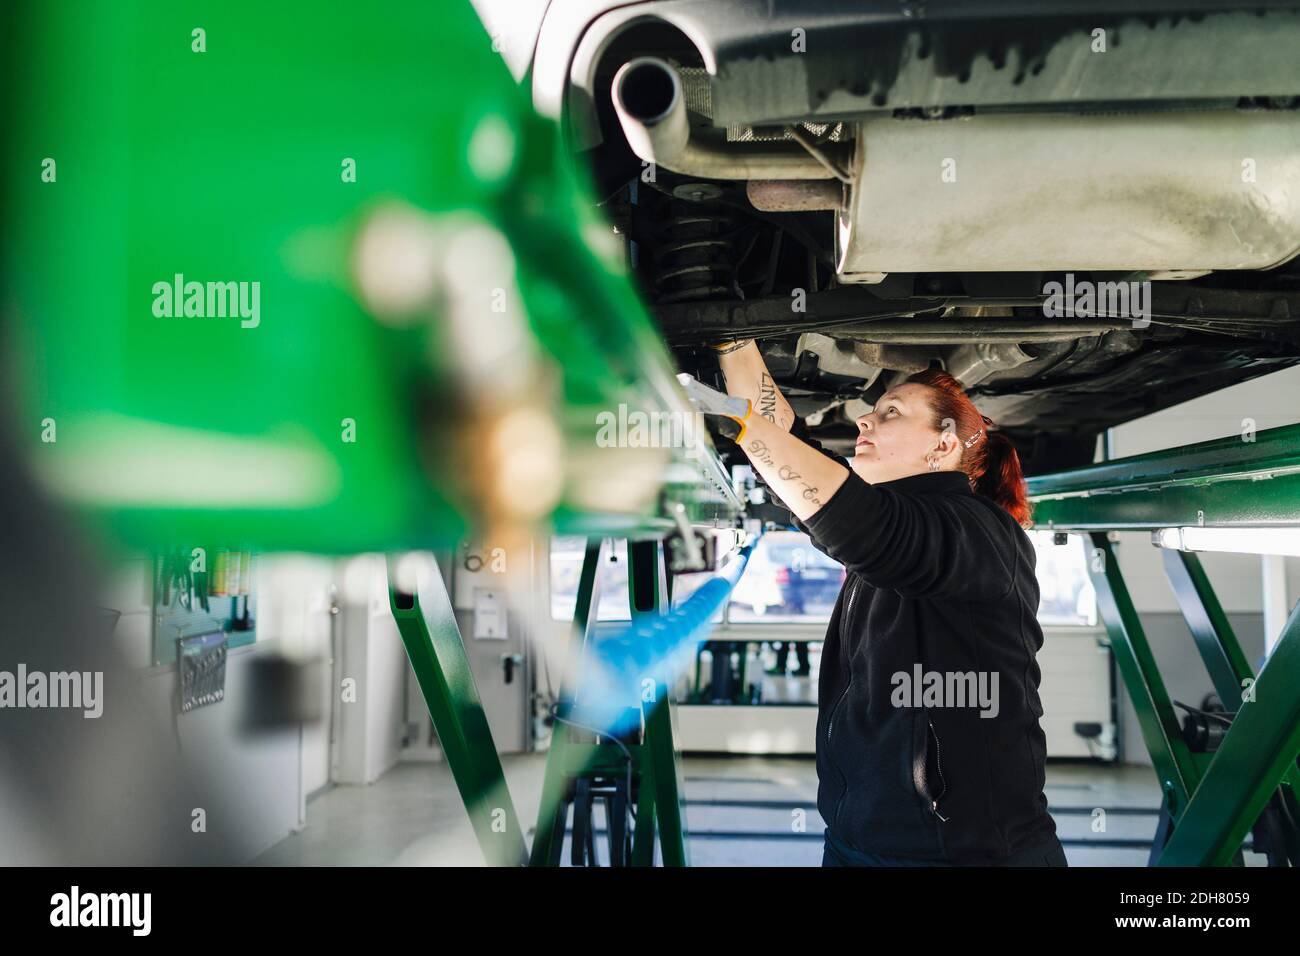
<point>566,568</point>
<point>1065,590</point>
<point>787,581</point>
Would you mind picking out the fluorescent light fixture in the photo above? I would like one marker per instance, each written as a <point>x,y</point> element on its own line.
<point>1284,541</point>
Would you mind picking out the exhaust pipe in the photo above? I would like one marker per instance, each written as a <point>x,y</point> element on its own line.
<point>652,111</point>
<point>778,195</point>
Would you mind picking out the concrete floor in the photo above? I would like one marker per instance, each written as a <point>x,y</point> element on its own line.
<point>413,815</point>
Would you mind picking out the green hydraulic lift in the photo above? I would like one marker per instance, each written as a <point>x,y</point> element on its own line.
<point>632,769</point>
<point>632,765</point>
<point>1222,776</point>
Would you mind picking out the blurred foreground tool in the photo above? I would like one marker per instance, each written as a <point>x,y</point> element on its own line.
<point>1218,785</point>
<point>288,277</point>
<point>310,281</point>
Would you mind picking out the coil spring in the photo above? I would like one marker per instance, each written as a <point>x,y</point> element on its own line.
<point>694,251</point>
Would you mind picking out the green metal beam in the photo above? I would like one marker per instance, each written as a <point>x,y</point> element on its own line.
<point>1228,482</point>
<point>655,769</point>
<point>648,594</point>
<point>1259,751</point>
<point>563,757</point>
<point>1209,625</point>
<point>1175,765</point>
<point>427,625</point>
<point>1212,800</point>
<point>1230,672</point>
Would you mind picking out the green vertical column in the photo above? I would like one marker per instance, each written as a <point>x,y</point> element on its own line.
<point>1230,672</point>
<point>1174,763</point>
<point>648,593</point>
<point>643,838</point>
<point>427,625</point>
<point>1209,625</point>
<point>552,814</point>
<point>1259,751</point>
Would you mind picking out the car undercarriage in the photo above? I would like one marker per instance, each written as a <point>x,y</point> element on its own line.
<point>920,192</point>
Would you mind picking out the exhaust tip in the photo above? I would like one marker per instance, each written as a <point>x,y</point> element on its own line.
<point>647,89</point>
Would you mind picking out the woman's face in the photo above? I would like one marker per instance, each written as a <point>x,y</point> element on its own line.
<point>896,437</point>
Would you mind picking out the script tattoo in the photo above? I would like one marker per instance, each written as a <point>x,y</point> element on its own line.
<point>767,398</point>
<point>761,454</point>
<point>759,448</point>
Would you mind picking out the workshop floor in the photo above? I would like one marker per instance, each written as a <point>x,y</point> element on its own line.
<point>740,812</point>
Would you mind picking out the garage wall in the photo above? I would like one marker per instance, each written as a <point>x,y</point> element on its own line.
<point>260,779</point>
<point>370,722</point>
<point>1271,400</point>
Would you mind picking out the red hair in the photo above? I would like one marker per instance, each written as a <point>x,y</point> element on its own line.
<point>988,457</point>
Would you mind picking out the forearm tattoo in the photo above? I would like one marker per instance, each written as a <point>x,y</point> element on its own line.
<point>767,398</point>
<point>760,453</point>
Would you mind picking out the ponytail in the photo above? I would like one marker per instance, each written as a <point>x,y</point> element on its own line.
<point>1003,480</point>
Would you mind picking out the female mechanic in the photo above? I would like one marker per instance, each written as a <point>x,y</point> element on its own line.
<point>929,749</point>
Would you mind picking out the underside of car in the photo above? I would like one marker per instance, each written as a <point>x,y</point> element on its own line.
<point>872,189</point>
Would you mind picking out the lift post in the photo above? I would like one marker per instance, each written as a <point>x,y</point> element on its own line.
<point>625,763</point>
<point>1213,795</point>
<point>427,625</point>
<point>579,757</point>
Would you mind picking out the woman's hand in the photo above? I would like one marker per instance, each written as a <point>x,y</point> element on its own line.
<point>799,474</point>
<point>710,401</point>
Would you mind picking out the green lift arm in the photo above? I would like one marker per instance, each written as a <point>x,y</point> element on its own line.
<point>1211,800</point>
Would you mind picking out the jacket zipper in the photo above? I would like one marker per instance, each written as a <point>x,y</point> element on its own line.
<point>830,721</point>
<point>830,725</point>
<point>848,610</point>
<point>938,763</point>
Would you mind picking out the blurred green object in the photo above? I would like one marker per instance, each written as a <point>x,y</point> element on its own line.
<point>254,145</point>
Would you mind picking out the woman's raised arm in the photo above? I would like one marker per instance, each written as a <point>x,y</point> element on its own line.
<point>747,376</point>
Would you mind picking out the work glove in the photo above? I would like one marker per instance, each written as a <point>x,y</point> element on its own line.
<point>710,401</point>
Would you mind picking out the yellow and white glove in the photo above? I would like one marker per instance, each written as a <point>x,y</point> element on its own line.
<point>710,401</point>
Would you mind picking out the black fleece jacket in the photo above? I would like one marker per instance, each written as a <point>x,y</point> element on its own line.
<point>940,581</point>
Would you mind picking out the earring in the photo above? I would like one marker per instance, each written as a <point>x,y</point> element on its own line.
<point>934,463</point>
